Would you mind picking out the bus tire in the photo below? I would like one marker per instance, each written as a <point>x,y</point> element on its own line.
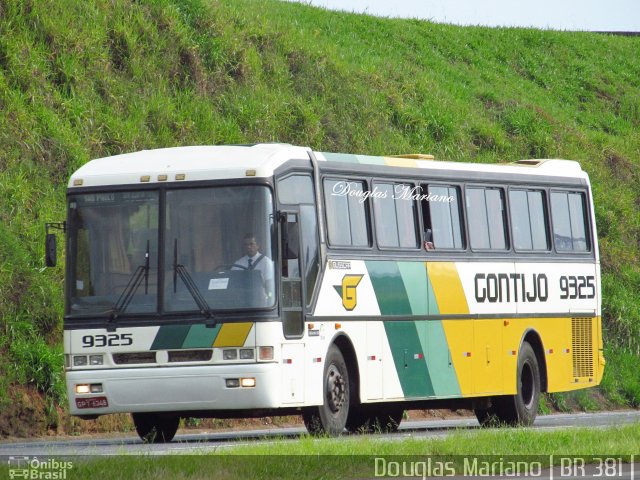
<point>521,409</point>
<point>155,428</point>
<point>331,417</point>
<point>527,399</point>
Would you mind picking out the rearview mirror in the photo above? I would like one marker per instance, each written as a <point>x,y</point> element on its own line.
<point>51,256</point>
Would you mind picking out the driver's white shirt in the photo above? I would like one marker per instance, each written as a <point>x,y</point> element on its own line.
<point>264,266</point>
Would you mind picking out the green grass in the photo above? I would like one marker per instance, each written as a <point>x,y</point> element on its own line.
<point>355,457</point>
<point>80,80</point>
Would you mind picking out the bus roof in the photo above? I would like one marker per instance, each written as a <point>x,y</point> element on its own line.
<point>261,160</point>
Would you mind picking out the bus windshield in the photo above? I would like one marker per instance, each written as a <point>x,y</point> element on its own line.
<point>217,251</point>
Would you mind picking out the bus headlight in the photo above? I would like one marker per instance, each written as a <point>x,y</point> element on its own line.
<point>230,354</point>
<point>80,361</point>
<point>246,354</point>
<point>96,360</point>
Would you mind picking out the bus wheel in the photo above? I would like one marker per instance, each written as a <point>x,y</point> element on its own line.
<point>525,402</point>
<point>155,428</point>
<point>521,408</point>
<point>331,417</point>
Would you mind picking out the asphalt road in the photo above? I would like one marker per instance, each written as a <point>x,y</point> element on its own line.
<point>202,442</point>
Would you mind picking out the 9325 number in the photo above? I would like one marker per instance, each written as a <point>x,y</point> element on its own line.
<point>577,286</point>
<point>109,340</point>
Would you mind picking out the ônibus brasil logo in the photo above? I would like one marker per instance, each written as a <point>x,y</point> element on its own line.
<point>348,291</point>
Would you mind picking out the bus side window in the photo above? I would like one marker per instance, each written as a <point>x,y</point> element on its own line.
<point>486,217</point>
<point>528,220</point>
<point>347,211</point>
<point>395,214</point>
<point>570,232</point>
<point>442,217</point>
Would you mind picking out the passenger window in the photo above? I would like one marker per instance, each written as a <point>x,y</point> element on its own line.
<point>486,217</point>
<point>347,210</point>
<point>442,217</point>
<point>570,231</point>
<point>395,213</point>
<point>528,220</point>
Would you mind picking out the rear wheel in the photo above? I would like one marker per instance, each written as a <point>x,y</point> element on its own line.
<point>521,408</point>
<point>525,402</point>
<point>331,417</point>
<point>154,427</point>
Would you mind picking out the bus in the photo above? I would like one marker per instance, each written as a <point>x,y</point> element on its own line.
<point>376,285</point>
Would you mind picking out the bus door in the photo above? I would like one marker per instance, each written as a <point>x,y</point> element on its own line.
<point>299,269</point>
<point>291,304</point>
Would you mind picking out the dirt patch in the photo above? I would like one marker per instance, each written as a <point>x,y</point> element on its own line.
<point>621,167</point>
<point>23,413</point>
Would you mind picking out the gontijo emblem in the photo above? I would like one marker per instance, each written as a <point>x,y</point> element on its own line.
<point>348,291</point>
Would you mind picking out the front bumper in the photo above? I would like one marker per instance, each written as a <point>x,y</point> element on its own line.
<point>174,389</point>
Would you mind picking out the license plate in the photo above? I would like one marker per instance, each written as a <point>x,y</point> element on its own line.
<point>92,402</point>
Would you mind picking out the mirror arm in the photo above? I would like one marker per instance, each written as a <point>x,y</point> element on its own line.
<point>55,226</point>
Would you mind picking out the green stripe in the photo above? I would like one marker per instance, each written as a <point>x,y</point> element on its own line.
<point>414,278</point>
<point>369,160</point>
<point>200,336</point>
<point>389,288</point>
<point>170,336</point>
<point>405,343</point>
<point>349,158</point>
<point>433,302</point>
<point>439,362</point>
<point>340,157</point>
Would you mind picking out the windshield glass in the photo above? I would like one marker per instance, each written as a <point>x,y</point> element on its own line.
<point>220,238</point>
<point>218,251</point>
<point>113,238</point>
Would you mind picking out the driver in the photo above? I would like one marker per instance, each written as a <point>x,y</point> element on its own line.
<point>254,260</point>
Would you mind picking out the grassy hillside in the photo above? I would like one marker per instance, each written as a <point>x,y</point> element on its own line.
<point>80,80</point>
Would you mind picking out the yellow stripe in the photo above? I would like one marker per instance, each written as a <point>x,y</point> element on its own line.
<point>447,288</point>
<point>451,299</point>
<point>459,335</point>
<point>233,334</point>
<point>400,162</point>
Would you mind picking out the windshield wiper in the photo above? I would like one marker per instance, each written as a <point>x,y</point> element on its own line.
<point>142,272</point>
<point>194,291</point>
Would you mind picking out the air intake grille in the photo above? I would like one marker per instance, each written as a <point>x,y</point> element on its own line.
<point>134,358</point>
<point>582,347</point>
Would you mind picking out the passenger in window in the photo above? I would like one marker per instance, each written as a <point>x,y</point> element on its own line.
<point>428,240</point>
<point>254,260</point>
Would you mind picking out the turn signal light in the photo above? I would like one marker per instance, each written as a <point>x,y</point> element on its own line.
<point>265,353</point>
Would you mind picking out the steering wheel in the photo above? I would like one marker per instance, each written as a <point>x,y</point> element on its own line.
<point>228,266</point>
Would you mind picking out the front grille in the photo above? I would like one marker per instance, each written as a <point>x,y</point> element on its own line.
<point>190,355</point>
<point>134,358</point>
<point>582,347</point>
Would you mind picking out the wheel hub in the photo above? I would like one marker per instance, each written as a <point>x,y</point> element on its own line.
<point>336,391</point>
<point>527,385</point>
